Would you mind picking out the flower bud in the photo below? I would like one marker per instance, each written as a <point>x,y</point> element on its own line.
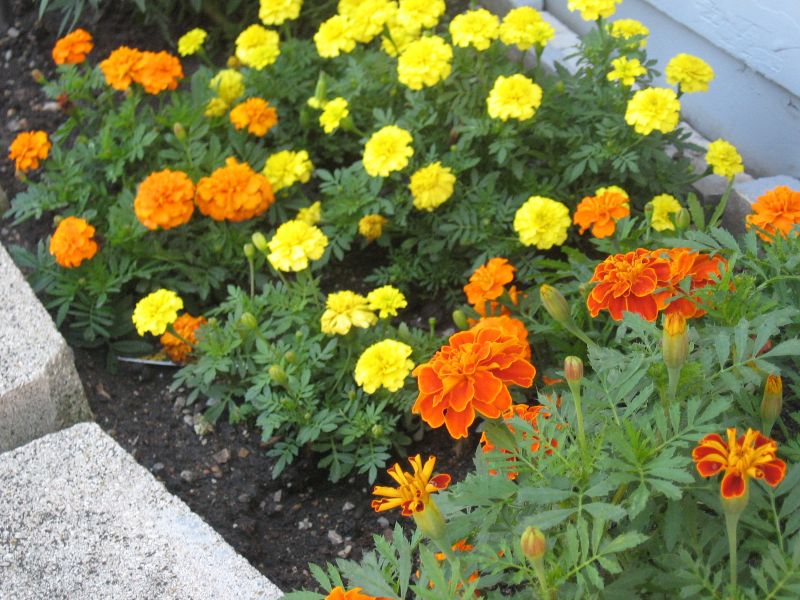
<point>290,357</point>
<point>573,369</point>
<point>675,342</point>
<point>430,521</point>
<point>683,219</point>
<point>38,76</point>
<point>278,375</point>
<point>533,543</point>
<point>248,320</point>
<point>460,319</point>
<point>233,62</point>
<point>377,430</point>
<point>321,89</point>
<point>179,131</point>
<point>260,242</point>
<point>212,322</point>
<point>771,401</point>
<point>555,304</point>
<point>249,251</point>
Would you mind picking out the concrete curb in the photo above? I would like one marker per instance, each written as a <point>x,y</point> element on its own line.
<point>79,518</point>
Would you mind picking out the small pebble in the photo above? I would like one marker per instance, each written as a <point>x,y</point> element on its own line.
<point>345,552</point>
<point>383,522</point>
<point>188,476</point>
<point>334,537</point>
<point>304,524</point>
<point>158,467</point>
<point>222,456</point>
<point>348,506</point>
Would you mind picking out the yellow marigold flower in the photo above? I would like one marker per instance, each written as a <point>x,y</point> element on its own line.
<point>256,115</point>
<point>191,41</point>
<point>234,193</point>
<point>387,300</point>
<point>690,73</point>
<point>258,47</point>
<point>412,495</point>
<point>371,226</point>
<point>275,12</point>
<point>28,148</point>
<point>420,13</point>
<point>627,28</point>
<point>388,150</point>
<point>73,242</point>
<point>367,18</point>
<point>542,222</point>
<point>285,168</point>
<point>333,113</point>
<point>156,311</point>
<point>400,35</point>
<point>663,206</point>
<point>344,310</point>
<point>591,10</point>
<point>216,107</point>
<point>295,244</point>
<point>626,70</point>
<point>424,62</point>
<point>384,364</point>
<point>524,28</point>
<point>653,108</point>
<point>431,186</point>
<point>513,97</point>
<point>334,37</point>
<point>476,28</point>
<point>723,157</point>
<point>228,84</point>
<point>310,214</point>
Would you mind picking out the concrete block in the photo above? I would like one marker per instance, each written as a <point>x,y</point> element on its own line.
<point>40,391</point>
<point>79,518</point>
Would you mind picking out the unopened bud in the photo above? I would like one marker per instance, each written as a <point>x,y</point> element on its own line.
<point>38,76</point>
<point>555,304</point>
<point>248,320</point>
<point>771,402</point>
<point>249,251</point>
<point>377,430</point>
<point>683,219</point>
<point>460,319</point>
<point>278,375</point>
<point>321,89</point>
<point>179,131</point>
<point>675,342</point>
<point>233,62</point>
<point>212,322</point>
<point>573,369</point>
<point>290,357</point>
<point>533,543</point>
<point>260,242</point>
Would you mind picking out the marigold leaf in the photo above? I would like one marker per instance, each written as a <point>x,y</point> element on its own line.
<point>627,540</point>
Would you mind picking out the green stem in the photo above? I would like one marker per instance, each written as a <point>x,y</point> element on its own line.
<point>575,388</point>
<point>672,387</point>
<point>775,519</point>
<point>731,521</point>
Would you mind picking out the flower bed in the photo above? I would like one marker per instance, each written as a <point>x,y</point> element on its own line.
<point>609,331</point>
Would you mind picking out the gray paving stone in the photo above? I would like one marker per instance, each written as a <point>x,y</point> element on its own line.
<point>80,519</point>
<point>39,388</point>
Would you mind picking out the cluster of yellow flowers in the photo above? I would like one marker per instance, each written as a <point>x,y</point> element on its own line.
<point>345,310</point>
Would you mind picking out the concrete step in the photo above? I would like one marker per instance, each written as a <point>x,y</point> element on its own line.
<point>79,518</point>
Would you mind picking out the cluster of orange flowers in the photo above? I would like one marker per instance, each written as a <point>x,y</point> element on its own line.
<point>154,71</point>
<point>487,284</point>
<point>179,347</point>
<point>777,211</point>
<point>649,281</point>
<point>73,242</point>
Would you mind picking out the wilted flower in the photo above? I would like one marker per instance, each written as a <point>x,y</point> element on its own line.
<point>73,242</point>
<point>156,311</point>
<point>542,222</point>
<point>371,226</point>
<point>513,97</point>
<point>258,47</point>
<point>626,70</point>
<point>776,212</point>
<point>602,211</point>
<point>591,10</point>
<point>388,150</point>
<point>476,28</point>
<point>333,113</point>
<point>256,115</point>
<point>653,109</point>
<point>424,62</point>
<point>118,69</point>
<point>234,193</point>
<point>186,327</point>
<point>689,73</point>
<point>276,12</point>
<point>73,48</point>
<point>724,159</point>
<point>28,148</point>
<point>384,364</point>
<point>524,28</point>
<point>431,186</point>
<point>344,310</point>
<point>294,245</point>
<point>663,206</point>
<point>386,300</point>
<point>191,41</point>
<point>285,168</point>
<point>334,37</point>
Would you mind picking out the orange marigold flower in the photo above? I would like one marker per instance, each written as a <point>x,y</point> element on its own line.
<point>751,455</point>
<point>119,67</point>
<point>186,327</point>
<point>509,325</point>
<point>73,242</point>
<point>338,593</point>
<point>157,71</point>
<point>778,210</point>
<point>165,199</point>
<point>28,148</point>
<point>488,281</point>
<point>256,114</point>
<point>488,309</point>
<point>471,373</point>
<point>602,211</point>
<point>234,192</point>
<point>527,413</point>
<point>632,282</point>
<point>702,269</point>
<point>73,48</point>
<point>414,489</point>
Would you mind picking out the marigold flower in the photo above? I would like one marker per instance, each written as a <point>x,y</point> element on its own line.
<point>258,47</point>
<point>724,159</point>
<point>295,244</point>
<point>626,70</point>
<point>513,97</point>
<point>120,66</point>
<point>591,10</point>
<point>216,107</point>
<point>653,108</point>
<point>751,455</point>
<point>371,226</point>
<point>191,41</point>
<point>367,18</point>
<point>384,364</point>
<point>627,28</point>
<point>631,283</point>
<point>771,401</point>
<point>602,211</point>
<point>339,593</point>
<point>701,269</point>
<point>310,214</point>
<point>690,73</point>
<point>399,34</point>
<point>388,150</point>
<point>488,281</point>
<point>28,148</point>
<point>424,62</point>
<point>663,206</point>
<point>73,242</point>
<point>471,374</point>
<point>186,327</point>
<point>509,325</point>
<point>527,413</point>
<point>285,168</point>
<point>386,300</point>
<point>777,211</point>
<point>276,12</point>
<point>431,186</point>
<point>228,85</point>
<point>476,28</point>
<point>524,28</point>
<point>334,37</point>
<point>333,113</point>
<point>156,311</point>
<point>164,199</point>
<point>157,71</point>
<point>542,222</point>
<point>344,310</point>
<point>414,489</point>
<point>234,193</point>
<point>73,48</point>
<point>256,115</point>
<point>422,14</point>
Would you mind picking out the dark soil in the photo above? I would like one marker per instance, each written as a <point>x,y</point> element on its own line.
<point>279,525</point>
